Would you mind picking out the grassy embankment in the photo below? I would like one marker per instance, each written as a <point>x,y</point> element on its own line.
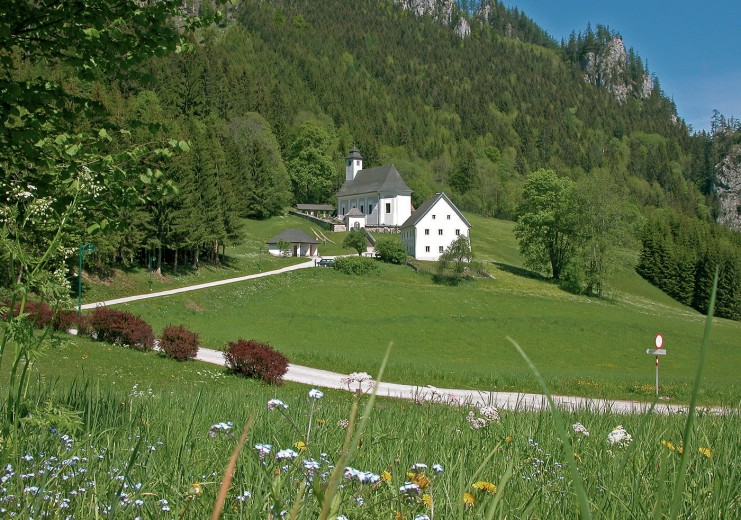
<point>456,336</point>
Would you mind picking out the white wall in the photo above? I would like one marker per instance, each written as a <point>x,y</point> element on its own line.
<point>440,217</point>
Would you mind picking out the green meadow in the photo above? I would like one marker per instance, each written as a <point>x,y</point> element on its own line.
<point>457,336</point>
<point>147,437</point>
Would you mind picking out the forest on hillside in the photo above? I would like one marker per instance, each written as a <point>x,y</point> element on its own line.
<point>263,105</point>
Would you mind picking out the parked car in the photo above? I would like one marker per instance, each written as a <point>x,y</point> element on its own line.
<point>326,262</point>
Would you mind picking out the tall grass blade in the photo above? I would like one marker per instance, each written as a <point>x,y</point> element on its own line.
<point>348,450</point>
<point>226,480</point>
<point>500,490</point>
<point>585,512</point>
<point>689,425</point>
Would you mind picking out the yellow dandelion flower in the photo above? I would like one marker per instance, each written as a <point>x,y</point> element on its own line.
<point>420,479</point>
<point>669,445</point>
<point>321,422</point>
<point>300,445</point>
<point>386,476</point>
<point>195,489</point>
<point>508,438</point>
<point>398,516</point>
<point>427,500</point>
<point>468,499</point>
<point>577,457</point>
<point>707,452</point>
<point>680,450</point>
<point>483,485</point>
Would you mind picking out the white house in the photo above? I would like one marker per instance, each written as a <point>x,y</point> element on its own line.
<point>379,194</point>
<point>433,227</point>
<point>296,242</point>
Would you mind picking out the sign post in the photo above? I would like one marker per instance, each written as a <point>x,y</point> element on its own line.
<point>84,248</point>
<point>657,351</point>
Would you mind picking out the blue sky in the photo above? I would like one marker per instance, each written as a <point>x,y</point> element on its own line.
<point>693,47</point>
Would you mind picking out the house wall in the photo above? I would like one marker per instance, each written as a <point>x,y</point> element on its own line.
<point>441,217</point>
<point>295,249</point>
<point>400,209</point>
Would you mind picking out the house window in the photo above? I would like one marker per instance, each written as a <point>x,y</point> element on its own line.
<point>457,232</point>
<point>427,249</point>
<point>433,217</point>
<point>440,249</point>
<point>448,217</point>
<point>388,207</point>
<point>440,232</point>
<point>427,231</point>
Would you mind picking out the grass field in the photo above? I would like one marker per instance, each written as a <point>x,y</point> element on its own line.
<point>153,438</point>
<point>456,336</point>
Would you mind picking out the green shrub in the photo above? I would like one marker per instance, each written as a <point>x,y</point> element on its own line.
<point>391,250</point>
<point>360,265</point>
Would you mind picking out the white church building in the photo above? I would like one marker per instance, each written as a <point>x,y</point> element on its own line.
<point>372,196</point>
<point>435,225</point>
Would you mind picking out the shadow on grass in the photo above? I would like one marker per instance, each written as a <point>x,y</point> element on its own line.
<point>521,271</point>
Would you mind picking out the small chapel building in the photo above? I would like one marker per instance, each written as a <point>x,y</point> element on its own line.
<point>435,225</point>
<point>372,196</point>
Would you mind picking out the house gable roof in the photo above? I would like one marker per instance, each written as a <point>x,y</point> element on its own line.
<point>427,205</point>
<point>354,212</point>
<point>383,179</point>
<point>293,236</point>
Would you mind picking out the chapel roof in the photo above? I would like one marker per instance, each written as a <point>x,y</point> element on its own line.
<point>293,236</point>
<point>382,179</point>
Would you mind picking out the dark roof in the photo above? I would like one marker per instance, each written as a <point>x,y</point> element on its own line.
<point>354,212</point>
<point>383,179</point>
<point>427,205</point>
<point>354,154</point>
<point>316,207</point>
<point>293,236</point>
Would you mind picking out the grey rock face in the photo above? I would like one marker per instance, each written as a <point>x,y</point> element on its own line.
<point>728,189</point>
<point>608,69</point>
<point>440,10</point>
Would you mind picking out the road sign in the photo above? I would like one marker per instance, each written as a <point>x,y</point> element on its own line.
<point>656,352</point>
<point>659,341</point>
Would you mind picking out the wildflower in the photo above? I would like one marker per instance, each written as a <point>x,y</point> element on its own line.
<point>246,495</point>
<point>577,457</point>
<point>490,413</point>
<point>437,468</point>
<point>579,428</point>
<point>427,500</point>
<point>707,452</point>
<point>321,422</point>
<point>311,465</point>
<point>409,488</point>
<point>420,479</point>
<point>421,517</point>
<point>508,438</point>
<point>222,427</point>
<point>286,454</point>
<point>483,485</point>
<point>386,476</point>
<point>300,445</point>
<point>195,489</point>
<point>619,436</point>
<point>468,499</point>
<point>343,423</point>
<point>316,394</point>
<point>263,449</point>
<point>418,466</point>
<point>669,445</point>
<point>276,403</point>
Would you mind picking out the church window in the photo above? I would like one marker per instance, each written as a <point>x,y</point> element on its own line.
<point>427,231</point>
<point>361,208</point>
<point>388,207</point>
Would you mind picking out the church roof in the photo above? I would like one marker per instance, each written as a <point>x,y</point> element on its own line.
<point>354,154</point>
<point>427,206</point>
<point>293,236</point>
<point>383,179</point>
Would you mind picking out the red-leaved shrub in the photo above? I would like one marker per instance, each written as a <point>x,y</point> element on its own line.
<point>254,359</point>
<point>179,342</point>
<point>121,327</point>
<point>66,320</point>
<point>39,313</point>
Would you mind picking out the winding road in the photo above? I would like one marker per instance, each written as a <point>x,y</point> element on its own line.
<point>326,379</point>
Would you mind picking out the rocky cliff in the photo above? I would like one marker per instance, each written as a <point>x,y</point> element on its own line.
<point>608,68</point>
<point>728,189</point>
<point>444,11</point>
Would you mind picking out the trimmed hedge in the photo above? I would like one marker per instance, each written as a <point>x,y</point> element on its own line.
<point>257,360</point>
<point>121,327</point>
<point>66,320</point>
<point>39,313</point>
<point>179,343</point>
<point>360,265</point>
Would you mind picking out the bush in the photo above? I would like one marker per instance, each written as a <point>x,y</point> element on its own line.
<point>391,250</point>
<point>66,320</point>
<point>179,342</point>
<point>39,313</point>
<point>356,265</point>
<point>258,360</point>
<point>121,327</point>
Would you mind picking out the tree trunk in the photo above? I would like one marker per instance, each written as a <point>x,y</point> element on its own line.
<point>159,260</point>
<point>216,251</point>
<point>175,262</point>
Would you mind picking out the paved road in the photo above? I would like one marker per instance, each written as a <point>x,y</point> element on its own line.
<point>308,263</point>
<point>503,400</point>
<point>327,379</point>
